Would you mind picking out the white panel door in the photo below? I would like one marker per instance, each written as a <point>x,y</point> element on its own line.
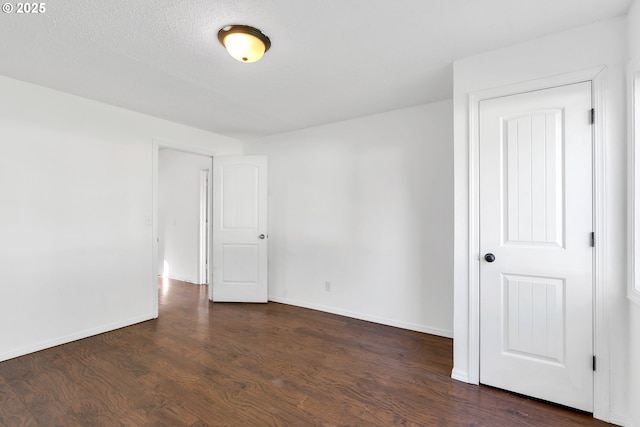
<point>239,229</point>
<point>536,266</point>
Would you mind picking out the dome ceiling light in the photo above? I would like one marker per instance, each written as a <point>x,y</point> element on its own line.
<point>244,43</point>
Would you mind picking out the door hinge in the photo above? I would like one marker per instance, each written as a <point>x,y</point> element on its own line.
<point>593,115</point>
<point>594,362</point>
<point>593,239</point>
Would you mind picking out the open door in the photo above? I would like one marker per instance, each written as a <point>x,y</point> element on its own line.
<point>239,229</point>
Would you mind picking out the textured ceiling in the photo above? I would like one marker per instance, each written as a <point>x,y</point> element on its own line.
<point>330,60</point>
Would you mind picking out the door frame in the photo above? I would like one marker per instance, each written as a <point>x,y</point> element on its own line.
<point>597,77</point>
<point>158,144</point>
<point>633,180</point>
<point>204,241</point>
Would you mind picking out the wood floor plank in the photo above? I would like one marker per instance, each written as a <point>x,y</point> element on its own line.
<point>13,411</point>
<point>206,364</point>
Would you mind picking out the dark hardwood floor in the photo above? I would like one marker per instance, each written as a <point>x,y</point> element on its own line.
<point>255,365</point>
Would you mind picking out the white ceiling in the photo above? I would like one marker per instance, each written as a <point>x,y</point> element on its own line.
<point>330,60</point>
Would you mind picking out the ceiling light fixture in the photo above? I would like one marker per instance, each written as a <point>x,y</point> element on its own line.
<point>244,43</point>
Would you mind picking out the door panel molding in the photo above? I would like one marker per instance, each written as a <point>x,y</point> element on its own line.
<point>598,77</point>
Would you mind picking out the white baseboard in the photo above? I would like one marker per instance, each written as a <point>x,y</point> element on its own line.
<point>73,337</point>
<point>182,279</point>
<point>374,319</point>
<point>459,375</point>
<point>619,420</point>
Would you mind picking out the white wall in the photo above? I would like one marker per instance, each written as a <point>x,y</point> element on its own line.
<point>634,369</point>
<point>367,205</point>
<point>179,213</point>
<point>76,215</point>
<point>633,26</point>
<point>602,43</point>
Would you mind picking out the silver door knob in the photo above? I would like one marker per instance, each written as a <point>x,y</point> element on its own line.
<point>262,236</point>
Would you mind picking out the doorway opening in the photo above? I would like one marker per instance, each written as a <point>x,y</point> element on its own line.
<point>183,235</point>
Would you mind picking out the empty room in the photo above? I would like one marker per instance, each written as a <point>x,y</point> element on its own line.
<point>333,213</point>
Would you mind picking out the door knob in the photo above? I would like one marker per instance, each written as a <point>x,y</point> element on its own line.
<point>489,257</point>
<point>262,236</point>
